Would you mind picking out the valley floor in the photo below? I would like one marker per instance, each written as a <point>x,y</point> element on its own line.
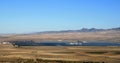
<point>60,54</point>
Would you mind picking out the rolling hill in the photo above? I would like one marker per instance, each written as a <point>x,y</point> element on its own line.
<point>93,34</point>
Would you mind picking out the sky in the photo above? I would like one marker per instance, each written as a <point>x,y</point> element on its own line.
<point>26,16</point>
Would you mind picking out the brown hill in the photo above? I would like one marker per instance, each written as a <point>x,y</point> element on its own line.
<point>107,35</point>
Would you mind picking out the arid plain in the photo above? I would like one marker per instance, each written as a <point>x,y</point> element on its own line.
<point>66,53</point>
<point>76,54</point>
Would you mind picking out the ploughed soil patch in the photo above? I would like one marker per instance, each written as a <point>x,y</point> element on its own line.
<point>63,52</point>
<point>104,52</point>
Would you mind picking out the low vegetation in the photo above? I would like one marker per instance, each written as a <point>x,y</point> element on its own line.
<point>20,60</point>
<point>117,52</point>
<point>97,52</point>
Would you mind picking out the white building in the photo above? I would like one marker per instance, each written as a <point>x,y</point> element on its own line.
<point>5,43</point>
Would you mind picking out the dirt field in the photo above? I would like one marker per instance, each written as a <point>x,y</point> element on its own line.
<point>75,53</point>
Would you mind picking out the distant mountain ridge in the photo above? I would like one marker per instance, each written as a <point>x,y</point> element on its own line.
<point>81,30</point>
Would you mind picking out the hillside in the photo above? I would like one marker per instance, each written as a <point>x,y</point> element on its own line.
<point>110,35</point>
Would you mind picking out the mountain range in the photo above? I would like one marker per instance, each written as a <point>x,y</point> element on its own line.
<point>81,30</point>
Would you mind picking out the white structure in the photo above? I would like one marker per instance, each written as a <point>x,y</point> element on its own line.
<point>5,42</point>
<point>59,40</point>
<point>75,43</point>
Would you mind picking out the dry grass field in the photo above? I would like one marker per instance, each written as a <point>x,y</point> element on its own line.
<point>66,53</point>
<point>60,54</point>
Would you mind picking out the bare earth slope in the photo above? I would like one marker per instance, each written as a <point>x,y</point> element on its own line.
<point>110,36</point>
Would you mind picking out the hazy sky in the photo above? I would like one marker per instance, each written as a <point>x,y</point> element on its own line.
<point>19,16</point>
